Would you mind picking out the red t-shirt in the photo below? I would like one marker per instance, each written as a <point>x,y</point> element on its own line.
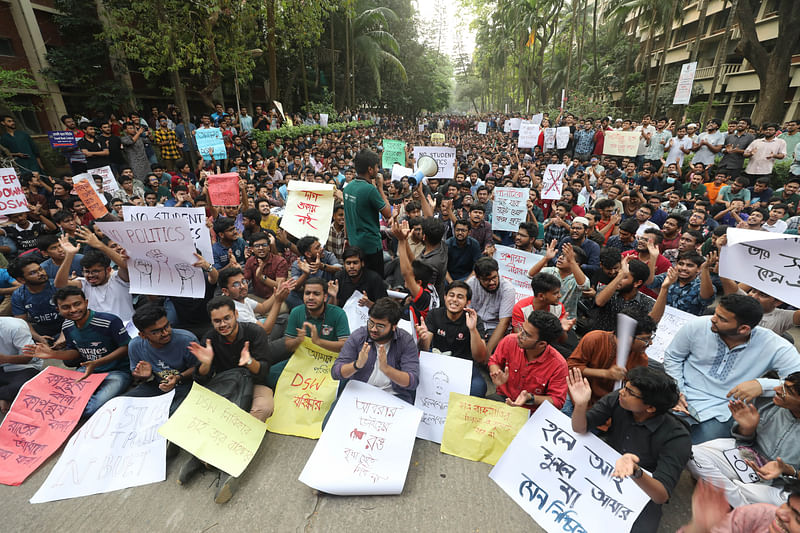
<point>544,376</point>
<point>662,265</point>
<point>524,307</point>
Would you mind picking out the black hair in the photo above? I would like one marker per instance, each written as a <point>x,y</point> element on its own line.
<point>639,270</point>
<point>531,227</point>
<point>255,237</point>
<point>220,301</point>
<point>364,160</point>
<point>433,229</point>
<point>15,269</point>
<point>65,292</point>
<point>659,237</point>
<point>386,309</point>
<point>691,255</point>
<point>147,315</point>
<point>477,207</point>
<point>422,272</point>
<point>657,389</point>
<point>95,257</point>
<point>630,225</point>
<point>352,251</point>
<point>223,224</point>
<point>543,282</point>
<point>746,309</point>
<point>226,274</point>
<point>304,244</point>
<point>677,218</point>
<point>547,324</point>
<point>316,280</point>
<point>485,266</point>
<point>647,206</point>
<point>604,203</point>
<point>610,257</point>
<point>463,222</point>
<point>46,241</point>
<point>458,284</point>
<point>252,214</point>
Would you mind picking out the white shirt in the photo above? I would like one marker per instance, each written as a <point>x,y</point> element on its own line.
<point>14,335</point>
<point>647,224</point>
<point>779,227</point>
<point>642,141</point>
<point>246,310</point>
<point>378,378</point>
<point>112,297</point>
<point>675,154</point>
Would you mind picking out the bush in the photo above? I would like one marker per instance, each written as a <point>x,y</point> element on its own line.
<point>293,132</point>
<point>780,173</point>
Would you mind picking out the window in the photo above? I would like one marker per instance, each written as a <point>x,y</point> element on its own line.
<point>6,47</point>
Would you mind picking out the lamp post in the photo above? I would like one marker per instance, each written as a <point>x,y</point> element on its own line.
<point>254,53</point>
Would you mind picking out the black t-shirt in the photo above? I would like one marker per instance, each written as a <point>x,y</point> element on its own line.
<point>97,145</point>
<point>26,239</point>
<point>450,336</point>
<point>227,354</point>
<point>371,284</point>
<point>115,149</point>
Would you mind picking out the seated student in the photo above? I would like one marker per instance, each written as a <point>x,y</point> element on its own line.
<point>623,293</point>
<point>15,368</point>
<point>526,369</point>
<point>229,243</point>
<point>462,252</point>
<point>546,297</point>
<point>647,251</point>
<point>755,221</point>
<point>723,356</point>
<point>8,286</point>
<point>732,215</point>
<point>642,429</point>
<point>626,238</point>
<point>25,233</point>
<point>691,289</point>
<point>768,430</point>
<point>159,357</point>
<point>610,263</point>
<point>325,324</point>
<point>355,277</point>
<point>33,301</point>
<point>456,329</point>
<point>778,320</point>
<point>233,284</point>
<point>417,277</point>
<point>264,267</point>
<point>434,253</point>
<point>231,345</point>
<point>51,249</point>
<point>568,270</point>
<point>313,262</point>
<point>493,299</point>
<point>381,354</point>
<point>774,222</point>
<point>98,339</point>
<point>691,240</point>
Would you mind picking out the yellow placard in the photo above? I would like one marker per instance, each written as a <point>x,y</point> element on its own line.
<point>437,138</point>
<point>215,430</point>
<point>479,429</point>
<point>304,393</point>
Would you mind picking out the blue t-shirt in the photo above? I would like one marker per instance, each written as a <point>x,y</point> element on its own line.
<point>171,359</point>
<point>460,261</point>
<point>100,335</point>
<point>40,308</point>
<point>52,268</point>
<point>221,253</point>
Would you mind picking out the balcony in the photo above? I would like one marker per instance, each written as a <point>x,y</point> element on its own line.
<point>708,72</point>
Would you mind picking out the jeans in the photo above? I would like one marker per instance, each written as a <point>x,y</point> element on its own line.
<point>709,430</point>
<point>116,382</point>
<point>477,386</point>
<point>150,389</point>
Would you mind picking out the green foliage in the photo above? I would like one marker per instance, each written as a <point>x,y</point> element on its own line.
<point>11,82</point>
<point>780,172</point>
<point>293,132</point>
<point>312,108</point>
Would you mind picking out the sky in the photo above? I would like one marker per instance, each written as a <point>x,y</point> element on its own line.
<point>459,20</point>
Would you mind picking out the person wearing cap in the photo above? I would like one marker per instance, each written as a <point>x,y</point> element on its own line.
<point>579,230</point>
<point>708,144</point>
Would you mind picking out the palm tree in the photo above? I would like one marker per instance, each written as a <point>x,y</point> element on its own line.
<point>373,46</point>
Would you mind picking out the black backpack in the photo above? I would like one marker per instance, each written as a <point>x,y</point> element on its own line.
<point>236,385</point>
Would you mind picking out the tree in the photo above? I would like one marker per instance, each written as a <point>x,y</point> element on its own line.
<point>374,46</point>
<point>771,61</point>
<point>13,83</point>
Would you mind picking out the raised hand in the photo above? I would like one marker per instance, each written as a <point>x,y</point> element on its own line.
<point>746,415</point>
<point>312,331</point>
<point>68,247</point>
<point>303,265</point>
<point>471,318</point>
<point>382,361</point>
<point>568,323</point>
<point>88,237</point>
<point>245,357</point>
<point>550,252</point>
<point>423,332</point>
<point>711,260</point>
<point>204,354</point>
<point>626,465</point>
<point>499,377</point>
<point>143,370</point>
<point>333,288</point>
<point>579,389</point>
<point>670,278</point>
<point>363,356</point>
<point>523,397</point>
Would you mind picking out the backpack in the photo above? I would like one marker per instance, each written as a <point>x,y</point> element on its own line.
<point>236,385</point>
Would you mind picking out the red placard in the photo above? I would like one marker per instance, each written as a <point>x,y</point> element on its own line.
<point>41,418</point>
<point>90,198</point>
<point>224,189</point>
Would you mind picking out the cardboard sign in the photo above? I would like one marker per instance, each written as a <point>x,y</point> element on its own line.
<point>549,138</point>
<point>528,134</point>
<point>437,138</point>
<point>279,107</point>
<point>623,143</point>
<point>215,430</point>
<point>482,127</point>
<point>445,157</point>
<point>516,123</point>
<point>210,143</point>
<point>224,189</point>
<point>552,181</point>
<point>562,137</point>
<point>514,266</point>
<point>41,418</point>
<point>510,208</point>
<point>309,209</point>
<point>323,119</point>
<point>117,448</point>
<point>304,393</point>
<point>195,217</point>
<point>12,197</point>
<point>90,198</point>
<point>668,327</point>
<point>110,184</point>
<point>537,118</point>
<point>394,152</point>
<point>479,429</point>
<point>439,375</point>
<point>62,139</point>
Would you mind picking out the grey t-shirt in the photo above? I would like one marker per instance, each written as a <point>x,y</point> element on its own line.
<point>703,154</point>
<point>492,306</point>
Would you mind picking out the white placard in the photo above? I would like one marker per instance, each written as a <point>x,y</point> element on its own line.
<point>421,128</point>
<point>323,119</point>
<point>537,118</point>
<point>12,197</point>
<point>399,172</point>
<point>194,216</point>
<point>528,134</point>
<point>507,125</point>
<point>88,177</point>
<point>366,446</point>
<point>357,315</point>
<point>683,91</point>
<point>510,208</point>
<point>482,127</point>
<point>439,375</point>
<point>770,262</point>
<point>407,326</point>
<point>515,123</point>
<point>161,256</point>
<point>109,181</point>
<point>672,320</point>
<point>514,266</point>
<point>552,181</point>
<point>309,209</point>
<point>119,447</point>
<point>445,157</point>
<point>562,137</point>
<point>549,138</point>
<point>279,107</point>
<point>626,328</point>
<point>563,479</point>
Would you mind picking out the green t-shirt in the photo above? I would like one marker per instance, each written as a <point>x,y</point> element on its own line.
<point>331,326</point>
<point>362,204</point>
<point>696,192</point>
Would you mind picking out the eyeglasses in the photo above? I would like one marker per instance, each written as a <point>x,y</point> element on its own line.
<point>524,334</point>
<point>87,272</point>
<point>786,390</point>
<point>258,246</point>
<point>159,331</point>
<point>239,284</point>
<point>629,391</point>
<point>648,340</point>
<point>375,325</point>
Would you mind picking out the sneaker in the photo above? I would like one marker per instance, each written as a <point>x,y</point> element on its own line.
<point>172,450</point>
<point>189,469</point>
<point>226,489</point>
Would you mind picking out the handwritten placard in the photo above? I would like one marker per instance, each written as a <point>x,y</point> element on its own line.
<point>562,137</point>
<point>394,152</point>
<point>481,128</point>
<point>549,138</point>
<point>119,447</point>
<point>445,158</point>
<point>507,126</point>
<point>437,138</point>
<point>514,266</point>
<point>770,262</point>
<point>516,123</point>
<point>439,375</point>
<point>563,479</point>
<point>44,413</point>
<point>624,143</point>
<point>366,445</point>
<point>90,198</point>
<point>510,208</point>
<point>215,430</point>
<point>357,315</point>
<point>304,393</point>
<point>224,189</point>
<point>195,217</point>
<point>323,119</point>
<point>109,181</point>
<point>210,143</point>
<point>161,256</point>
<point>12,197</point>
<point>62,139</point>
<point>552,181</point>
<point>479,429</point>
<point>668,327</point>
<point>309,210</point>
<point>528,134</point>
<point>537,118</point>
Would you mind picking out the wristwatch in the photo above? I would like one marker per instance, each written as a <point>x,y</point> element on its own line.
<point>249,362</point>
<point>637,473</point>
<point>209,269</point>
<point>355,365</point>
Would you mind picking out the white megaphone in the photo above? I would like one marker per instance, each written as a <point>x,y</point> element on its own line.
<point>426,167</point>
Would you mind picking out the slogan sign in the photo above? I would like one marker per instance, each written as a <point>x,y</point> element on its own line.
<point>394,152</point>
<point>323,119</point>
<point>215,430</point>
<point>161,256</point>
<point>510,208</point>
<point>516,123</point>
<point>528,134</point>
<point>119,447</point>
<point>309,210</point>
<point>553,181</point>
<point>624,143</point>
<point>537,118</point>
<point>195,217</point>
<point>479,429</point>
<point>507,126</point>
<point>549,138</point>
<point>110,184</point>
<point>357,315</point>
<point>210,143</point>
<point>304,393</point>
<point>12,197</point>
<point>445,158</point>
<point>88,195</point>
<point>770,262</point>
<point>668,327</point>
<point>62,139</point>
<point>223,189</point>
<point>366,446</point>
<point>41,418</point>
<point>683,91</point>
<point>563,479</point>
<point>437,138</point>
<point>514,266</point>
<point>482,127</point>
<point>562,137</point>
<point>439,375</point>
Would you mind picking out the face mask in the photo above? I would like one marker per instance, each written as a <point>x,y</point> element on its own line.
<point>670,180</point>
